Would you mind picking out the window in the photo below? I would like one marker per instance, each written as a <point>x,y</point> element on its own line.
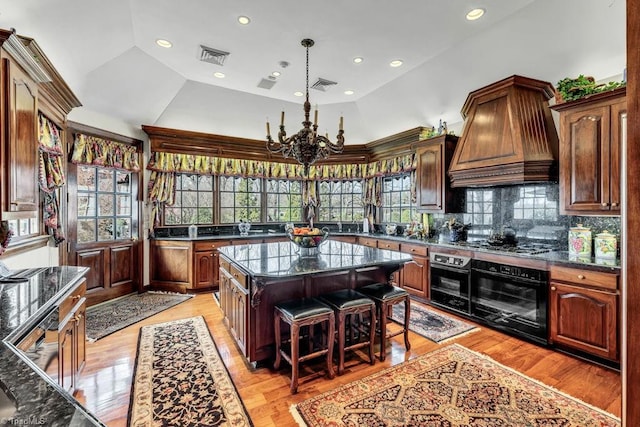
<point>104,204</point>
<point>397,206</point>
<point>284,200</point>
<point>194,201</point>
<point>24,227</point>
<point>240,199</point>
<point>533,204</point>
<point>340,201</point>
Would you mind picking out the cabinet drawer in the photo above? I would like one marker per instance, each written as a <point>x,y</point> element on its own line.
<point>72,299</point>
<point>414,249</point>
<point>209,245</point>
<point>366,241</point>
<point>388,244</point>
<point>576,276</point>
<point>238,275</point>
<point>224,264</point>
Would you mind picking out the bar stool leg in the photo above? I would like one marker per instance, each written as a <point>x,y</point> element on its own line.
<point>372,335</point>
<point>330,336</point>
<point>276,328</point>
<point>341,339</point>
<point>407,314</point>
<point>383,331</point>
<point>295,342</point>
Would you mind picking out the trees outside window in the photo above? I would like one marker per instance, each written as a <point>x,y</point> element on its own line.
<point>340,201</point>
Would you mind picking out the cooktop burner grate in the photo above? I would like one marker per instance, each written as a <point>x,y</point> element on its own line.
<point>525,248</point>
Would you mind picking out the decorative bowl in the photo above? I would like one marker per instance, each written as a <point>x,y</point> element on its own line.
<point>307,238</point>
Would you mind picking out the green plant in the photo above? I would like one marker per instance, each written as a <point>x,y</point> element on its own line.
<point>572,89</point>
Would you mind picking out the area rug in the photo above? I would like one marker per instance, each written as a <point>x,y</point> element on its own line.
<point>434,326</point>
<point>180,379</point>
<point>452,386</point>
<point>111,316</point>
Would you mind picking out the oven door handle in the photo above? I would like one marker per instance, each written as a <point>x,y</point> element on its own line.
<point>510,278</point>
<point>451,269</point>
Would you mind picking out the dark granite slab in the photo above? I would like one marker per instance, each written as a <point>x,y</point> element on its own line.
<point>284,259</point>
<point>39,400</point>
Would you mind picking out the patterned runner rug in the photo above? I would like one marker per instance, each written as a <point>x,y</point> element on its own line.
<point>434,326</point>
<point>111,316</point>
<point>180,379</point>
<point>452,386</point>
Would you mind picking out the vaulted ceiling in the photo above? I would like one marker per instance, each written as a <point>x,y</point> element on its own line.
<point>106,51</point>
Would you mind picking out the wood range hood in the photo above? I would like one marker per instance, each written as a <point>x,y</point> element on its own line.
<point>508,136</point>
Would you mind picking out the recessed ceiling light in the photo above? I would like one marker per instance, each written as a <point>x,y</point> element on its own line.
<point>395,63</point>
<point>348,92</point>
<point>298,93</point>
<point>358,59</point>
<point>219,75</point>
<point>244,20</point>
<point>164,43</point>
<point>474,14</point>
<point>276,74</point>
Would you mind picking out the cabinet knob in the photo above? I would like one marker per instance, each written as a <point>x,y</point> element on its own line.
<point>75,297</point>
<point>581,276</point>
<point>553,288</point>
<point>614,204</point>
<point>604,204</point>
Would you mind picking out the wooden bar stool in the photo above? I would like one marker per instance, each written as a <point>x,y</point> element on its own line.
<point>299,313</point>
<point>349,302</point>
<point>385,296</point>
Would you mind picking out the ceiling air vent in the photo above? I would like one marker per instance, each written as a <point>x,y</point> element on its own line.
<point>214,56</point>
<point>267,83</point>
<point>323,84</point>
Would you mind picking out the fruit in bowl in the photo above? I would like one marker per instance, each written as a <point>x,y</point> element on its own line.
<point>307,237</point>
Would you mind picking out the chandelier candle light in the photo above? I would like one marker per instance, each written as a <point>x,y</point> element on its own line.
<point>306,146</point>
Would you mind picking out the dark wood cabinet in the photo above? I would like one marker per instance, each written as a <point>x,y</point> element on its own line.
<point>206,264</point>
<point>584,311</point>
<point>415,274</point>
<point>591,131</point>
<point>234,301</point>
<point>433,186</point>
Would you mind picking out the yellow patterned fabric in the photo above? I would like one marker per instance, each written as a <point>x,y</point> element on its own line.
<point>91,150</point>
<point>50,174</point>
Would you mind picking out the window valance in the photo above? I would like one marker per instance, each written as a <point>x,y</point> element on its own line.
<point>209,165</point>
<point>91,150</point>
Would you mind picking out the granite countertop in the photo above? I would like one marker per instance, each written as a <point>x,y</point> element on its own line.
<point>23,305</point>
<point>285,259</point>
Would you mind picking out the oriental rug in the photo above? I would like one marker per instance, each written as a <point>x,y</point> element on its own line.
<point>437,327</point>
<point>111,316</point>
<point>452,386</point>
<point>181,380</point>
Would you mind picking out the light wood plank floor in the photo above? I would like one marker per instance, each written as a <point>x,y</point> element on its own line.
<point>105,385</point>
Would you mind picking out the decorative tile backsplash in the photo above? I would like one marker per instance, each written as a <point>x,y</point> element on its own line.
<point>532,210</point>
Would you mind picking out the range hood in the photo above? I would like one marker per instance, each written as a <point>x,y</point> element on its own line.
<point>508,136</point>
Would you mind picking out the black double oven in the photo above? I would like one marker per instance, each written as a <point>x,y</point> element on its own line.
<point>506,297</point>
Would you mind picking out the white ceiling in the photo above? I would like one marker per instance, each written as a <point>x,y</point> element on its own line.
<point>106,52</point>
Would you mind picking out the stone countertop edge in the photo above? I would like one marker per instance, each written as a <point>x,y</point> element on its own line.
<point>39,399</point>
<point>554,257</point>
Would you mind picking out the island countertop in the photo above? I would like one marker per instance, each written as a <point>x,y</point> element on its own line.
<point>285,259</point>
<point>39,400</point>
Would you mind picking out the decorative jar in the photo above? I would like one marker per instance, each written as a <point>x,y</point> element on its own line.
<point>580,241</point>
<point>606,245</point>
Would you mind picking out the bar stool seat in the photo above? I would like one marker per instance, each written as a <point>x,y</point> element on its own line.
<point>347,302</point>
<point>300,313</point>
<point>386,295</point>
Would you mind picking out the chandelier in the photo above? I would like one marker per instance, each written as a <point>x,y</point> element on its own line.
<point>306,146</point>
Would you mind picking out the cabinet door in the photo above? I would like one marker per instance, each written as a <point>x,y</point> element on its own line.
<point>80,319</point>
<point>584,319</point>
<point>22,150</point>
<point>414,277</point>
<point>66,365</point>
<point>584,160</point>
<point>430,185</point>
<point>618,135</point>
<point>204,270</point>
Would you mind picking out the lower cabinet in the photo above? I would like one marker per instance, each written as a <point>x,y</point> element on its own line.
<point>584,311</point>
<point>234,300</point>
<point>415,274</point>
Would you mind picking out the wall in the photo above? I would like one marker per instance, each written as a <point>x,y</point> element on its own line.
<point>42,257</point>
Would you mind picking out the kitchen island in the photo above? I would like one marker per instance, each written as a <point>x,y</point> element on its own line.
<point>254,277</point>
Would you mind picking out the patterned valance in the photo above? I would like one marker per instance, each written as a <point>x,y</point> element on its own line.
<point>91,150</point>
<point>51,163</point>
<point>206,165</point>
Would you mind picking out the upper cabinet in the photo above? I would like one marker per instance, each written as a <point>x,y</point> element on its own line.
<point>592,131</point>
<point>433,187</point>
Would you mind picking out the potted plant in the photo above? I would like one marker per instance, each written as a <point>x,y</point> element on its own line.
<point>569,89</point>
<point>458,231</point>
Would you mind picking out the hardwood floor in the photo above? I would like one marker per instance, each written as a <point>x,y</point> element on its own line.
<point>105,385</point>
